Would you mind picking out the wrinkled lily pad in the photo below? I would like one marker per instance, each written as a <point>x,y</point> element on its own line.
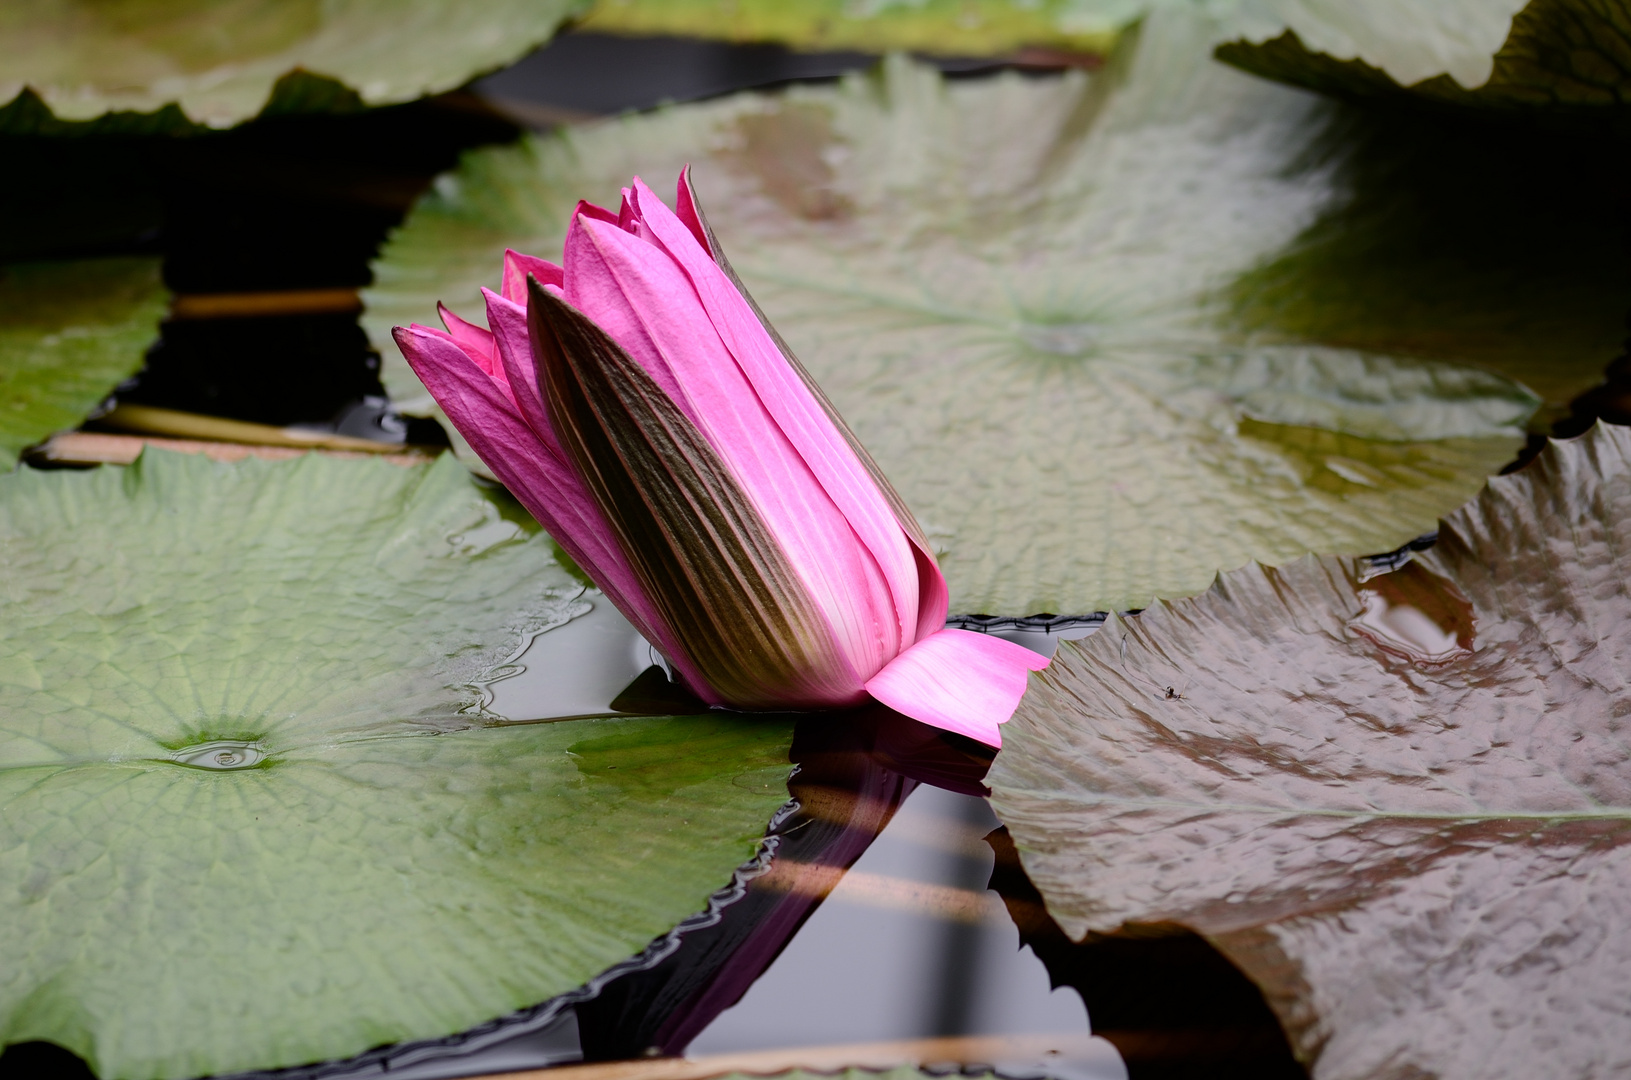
<point>69,332</point>
<point>961,27</point>
<point>218,59</point>
<point>1546,55</point>
<point>255,815</point>
<point>1398,801</point>
<point>1016,290</point>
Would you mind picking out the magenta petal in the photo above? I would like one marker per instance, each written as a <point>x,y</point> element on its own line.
<point>628,216</point>
<point>509,323</point>
<point>473,402</point>
<point>594,213</point>
<point>479,346</point>
<point>685,208</point>
<point>959,681</point>
<point>593,287</point>
<point>543,483</point>
<point>516,268</point>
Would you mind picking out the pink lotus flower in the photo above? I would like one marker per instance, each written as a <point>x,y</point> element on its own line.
<point>637,402</point>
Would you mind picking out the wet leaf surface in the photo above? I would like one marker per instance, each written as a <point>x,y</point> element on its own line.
<point>1558,57</point>
<point>1454,41</point>
<point>1018,292</point>
<point>1399,803</point>
<point>69,332</point>
<point>255,815</point>
<point>219,59</point>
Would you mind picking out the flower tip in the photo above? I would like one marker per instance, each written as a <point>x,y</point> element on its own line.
<point>689,212</point>
<point>413,332</point>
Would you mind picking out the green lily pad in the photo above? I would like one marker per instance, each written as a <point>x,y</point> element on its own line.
<point>219,59</point>
<point>1018,292</point>
<point>256,814</point>
<point>69,333</point>
<point>1552,56</point>
<point>1394,796</point>
<point>960,27</point>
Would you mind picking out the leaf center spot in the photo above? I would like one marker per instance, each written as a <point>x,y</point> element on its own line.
<point>1063,339</point>
<point>220,754</point>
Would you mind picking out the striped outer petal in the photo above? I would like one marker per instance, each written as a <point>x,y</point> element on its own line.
<point>694,540</point>
<point>934,596</point>
<point>959,681</point>
<point>793,407</point>
<point>838,532</point>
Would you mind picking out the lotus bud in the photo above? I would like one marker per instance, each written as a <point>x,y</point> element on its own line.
<point>638,403</point>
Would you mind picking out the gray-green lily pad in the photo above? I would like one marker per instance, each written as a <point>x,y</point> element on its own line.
<point>957,27</point>
<point>1547,56</point>
<point>219,59</point>
<point>256,814</point>
<point>1398,801</point>
<point>1018,293</point>
<point>69,333</point>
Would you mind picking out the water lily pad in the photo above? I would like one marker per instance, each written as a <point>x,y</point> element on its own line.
<point>255,812</point>
<point>1016,290</point>
<point>218,59</point>
<point>69,332</point>
<point>1398,801</point>
<point>1545,55</point>
<point>960,27</point>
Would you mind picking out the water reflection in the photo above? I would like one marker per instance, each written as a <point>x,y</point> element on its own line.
<point>576,669</point>
<point>1415,615</point>
<point>910,944</point>
<point>1405,630</point>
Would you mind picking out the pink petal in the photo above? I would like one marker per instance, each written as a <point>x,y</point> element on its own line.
<point>645,302</point>
<point>685,204</point>
<point>593,213</point>
<point>800,417</point>
<point>628,217</point>
<point>542,482</point>
<point>516,268</point>
<point>477,344</point>
<point>593,288</point>
<point>509,323</point>
<point>959,681</point>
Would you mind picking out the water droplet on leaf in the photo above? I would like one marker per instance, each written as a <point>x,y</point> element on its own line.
<point>221,754</point>
<point>1416,615</point>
